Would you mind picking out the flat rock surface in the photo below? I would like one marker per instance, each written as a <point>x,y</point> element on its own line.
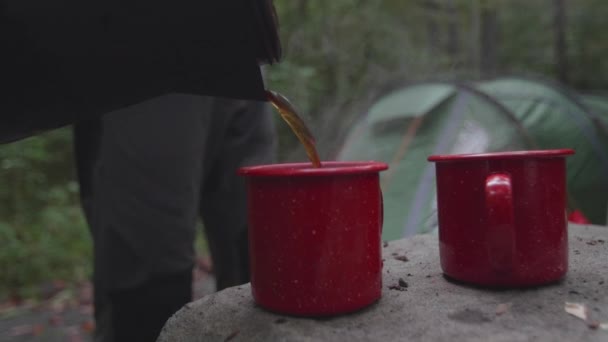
<point>431,308</point>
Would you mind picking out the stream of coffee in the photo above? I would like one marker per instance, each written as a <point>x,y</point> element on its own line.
<point>297,125</point>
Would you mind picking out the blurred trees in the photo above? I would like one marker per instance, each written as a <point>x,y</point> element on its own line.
<point>339,55</point>
<point>42,232</point>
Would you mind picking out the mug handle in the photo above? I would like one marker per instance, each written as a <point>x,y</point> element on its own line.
<point>500,219</point>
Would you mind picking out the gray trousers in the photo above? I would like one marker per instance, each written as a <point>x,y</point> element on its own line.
<point>157,167</point>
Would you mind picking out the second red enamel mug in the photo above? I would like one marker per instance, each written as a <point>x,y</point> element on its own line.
<point>502,217</point>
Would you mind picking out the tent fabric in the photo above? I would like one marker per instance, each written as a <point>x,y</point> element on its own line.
<point>408,124</point>
<point>459,120</point>
<point>598,105</point>
<point>555,120</point>
<point>421,99</point>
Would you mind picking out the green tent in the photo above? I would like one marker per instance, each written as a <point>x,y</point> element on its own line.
<point>598,105</point>
<point>405,126</point>
<point>557,118</point>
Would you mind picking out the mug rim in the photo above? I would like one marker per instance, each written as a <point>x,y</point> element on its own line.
<point>522,154</point>
<point>328,168</point>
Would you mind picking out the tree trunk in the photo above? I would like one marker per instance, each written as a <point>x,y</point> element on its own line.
<point>560,47</point>
<point>453,36</point>
<point>473,48</point>
<point>431,26</point>
<point>488,40</point>
<point>303,9</point>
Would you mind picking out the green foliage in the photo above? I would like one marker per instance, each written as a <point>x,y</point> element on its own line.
<point>42,231</point>
<point>339,54</point>
<point>589,47</point>
<point>28,169</point>
<point>56,247</point>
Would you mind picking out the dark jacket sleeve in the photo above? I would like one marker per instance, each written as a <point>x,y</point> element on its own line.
<point>63,61</point>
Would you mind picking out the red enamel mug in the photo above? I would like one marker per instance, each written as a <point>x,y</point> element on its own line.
<point>315,236</point>
<point>502,217</point>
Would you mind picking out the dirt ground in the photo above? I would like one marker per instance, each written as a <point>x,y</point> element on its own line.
<point>66,313</point>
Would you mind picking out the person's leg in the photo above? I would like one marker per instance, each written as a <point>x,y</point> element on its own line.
<point>139,313</point>
<point>86,140</point>
<point>248,137</point>
<point>145,206</point>
<point>86,137</point>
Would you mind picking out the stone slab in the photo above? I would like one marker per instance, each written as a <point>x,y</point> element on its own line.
<point>431,309</point>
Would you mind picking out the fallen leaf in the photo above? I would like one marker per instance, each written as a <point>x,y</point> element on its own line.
<point>15,299</point>
<point>396,287</point>
<point>37,329</point>
<point>88,326</point>
<point>60,284</point>
<point>580,311</point>
<point>502,308</point>
<point>385,244</point>
<point>401,258</point>
<point>401,285</point>
<point>576,310</point>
